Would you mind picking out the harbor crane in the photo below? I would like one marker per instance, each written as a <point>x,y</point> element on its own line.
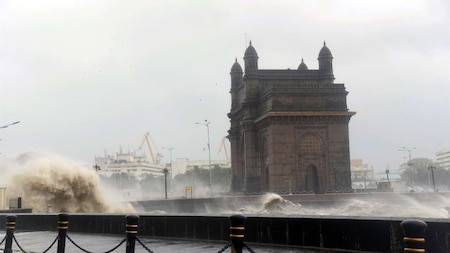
<point>224,146</point>
<point>156,157</point>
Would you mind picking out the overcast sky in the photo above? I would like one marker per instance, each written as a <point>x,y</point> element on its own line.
<point>85,77</point>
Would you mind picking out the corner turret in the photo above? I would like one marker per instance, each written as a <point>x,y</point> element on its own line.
<point>251,61</point>
<point>236,75</point>
<point>326,62</point>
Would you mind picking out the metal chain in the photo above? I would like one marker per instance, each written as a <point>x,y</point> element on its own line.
<point>20,247</point>
<point>51,245</point>
<point>248,248</point>
<point>109,251</point>
<point>224,248</point>
<point>143,245</point>
<point>86,251</point>
<point>3,240</point>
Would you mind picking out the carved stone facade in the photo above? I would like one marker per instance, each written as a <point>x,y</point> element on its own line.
<point>289,128</point>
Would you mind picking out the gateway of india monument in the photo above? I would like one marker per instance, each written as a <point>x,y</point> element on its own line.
<point>289,128</point>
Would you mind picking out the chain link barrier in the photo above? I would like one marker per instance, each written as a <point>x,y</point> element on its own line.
<point>87,251</point>
<point>248,248</point>
<point>224,248</point>
<point>236,231</point>
<point>3,240</point>
<point>143,245</point>
<point>109,251</point>
<point>24,251</point>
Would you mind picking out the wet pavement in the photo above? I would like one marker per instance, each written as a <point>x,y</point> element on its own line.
<point>40,241</point>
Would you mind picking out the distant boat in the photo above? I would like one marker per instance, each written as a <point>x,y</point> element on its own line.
<point>137,165</point>
<point>129,162</point>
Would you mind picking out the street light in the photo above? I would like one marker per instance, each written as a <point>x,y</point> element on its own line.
<point>410,165</point>
<point>166,171</point>
<point>209,149</point>
<point>170,149</point>
<point>96,168</point>
<point>5,126</point>
<point>432,168</point>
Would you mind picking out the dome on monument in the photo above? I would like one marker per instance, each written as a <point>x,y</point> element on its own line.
<point>236,67</point>
<point>325,52</point>
<point>250,51</point>
<point>302,66</point>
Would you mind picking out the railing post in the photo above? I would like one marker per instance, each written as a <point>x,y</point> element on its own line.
<point>131,232</point>
<point>237,231</point>
<point>63,225</point>
<point>10,226</point>
<point>413,235</point>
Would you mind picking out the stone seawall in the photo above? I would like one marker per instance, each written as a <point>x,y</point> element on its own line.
<point>345,233</point>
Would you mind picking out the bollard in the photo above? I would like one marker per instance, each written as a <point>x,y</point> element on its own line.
<point>10,226</point>
<point>413,235</point>
<point>63,225</point>
<point>131,232</point>
<point>237,230</point>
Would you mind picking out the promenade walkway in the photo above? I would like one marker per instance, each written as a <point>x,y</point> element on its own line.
<point>39,241</point>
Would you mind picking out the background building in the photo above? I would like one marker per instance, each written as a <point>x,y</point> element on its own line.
<point>182,165</point>
<point>363,176</point>
<point>390,180</point>
<point>2,198</point>
<point>443,159</point>
<point>289,128</point>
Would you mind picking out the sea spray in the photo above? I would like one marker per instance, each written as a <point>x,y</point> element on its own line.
<point>52,183</point>
<point>400,206</point>
<point>272,203</point>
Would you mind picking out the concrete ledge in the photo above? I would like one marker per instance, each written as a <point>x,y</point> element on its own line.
<point>21,210</point>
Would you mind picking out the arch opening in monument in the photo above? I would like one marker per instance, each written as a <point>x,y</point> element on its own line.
<point>312,179</point>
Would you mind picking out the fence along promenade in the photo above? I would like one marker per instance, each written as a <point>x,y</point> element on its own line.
<point>236,245</point>
<point>413,240</point>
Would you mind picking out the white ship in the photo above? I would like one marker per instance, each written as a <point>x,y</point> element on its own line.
<point>132,162</point>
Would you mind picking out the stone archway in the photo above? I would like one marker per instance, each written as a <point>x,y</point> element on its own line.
<point>312,179</point>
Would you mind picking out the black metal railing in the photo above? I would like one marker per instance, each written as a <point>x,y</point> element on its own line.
<point>236,245</point>
<point>413,240</point>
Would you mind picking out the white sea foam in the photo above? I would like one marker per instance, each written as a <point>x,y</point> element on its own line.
<point>400,206</point>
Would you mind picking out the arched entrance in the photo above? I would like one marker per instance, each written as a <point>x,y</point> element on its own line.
<point>312,179</point>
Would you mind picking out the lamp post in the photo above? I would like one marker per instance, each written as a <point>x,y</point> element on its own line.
<point>432,168</point>
<point>96,168</point>
<point>165,182</point>
<point>5,126</point>
<point>166,171</point>
<point>410,165</point>
<point>209,149</point>
<point>170,149</point>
